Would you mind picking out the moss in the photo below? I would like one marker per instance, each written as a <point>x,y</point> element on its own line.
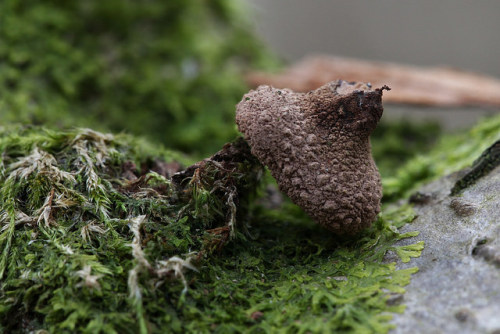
<point>395,142</point>
<point>85,249</point>
<point>171,70</point>
<point>94,241</point>
<point>296,278</point>
<point>97,236</point>
<point>95,233</point>
<point>450,154</point>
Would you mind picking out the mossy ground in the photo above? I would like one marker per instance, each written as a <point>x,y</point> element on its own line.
<point>87,249</point>
<point>89,241</point>
<point>93,240</point>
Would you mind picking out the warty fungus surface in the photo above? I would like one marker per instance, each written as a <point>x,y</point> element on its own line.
<point>317,147</point>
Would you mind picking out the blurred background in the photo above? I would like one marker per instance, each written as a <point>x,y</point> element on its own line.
<point>173,71</point>
<point>458,33</point>
<point>453,33</point>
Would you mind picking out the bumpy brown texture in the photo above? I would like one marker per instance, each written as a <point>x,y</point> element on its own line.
<point>317,147</point>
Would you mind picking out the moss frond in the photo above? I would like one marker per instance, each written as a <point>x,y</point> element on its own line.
<point>85,234</point>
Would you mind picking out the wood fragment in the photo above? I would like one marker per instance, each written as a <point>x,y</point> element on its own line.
<point>428,86</point>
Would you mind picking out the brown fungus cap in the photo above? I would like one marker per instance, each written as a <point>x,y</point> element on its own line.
<point>317,147</point>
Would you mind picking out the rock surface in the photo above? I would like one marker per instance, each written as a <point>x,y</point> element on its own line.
<point>457,288</point>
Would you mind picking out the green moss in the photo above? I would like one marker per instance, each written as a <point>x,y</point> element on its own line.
<point>395,142</point>
<point>451,154</point>
<point>171,70</point>
<point>84,249</point>
<point>295,278</point>
<point>93,241</point>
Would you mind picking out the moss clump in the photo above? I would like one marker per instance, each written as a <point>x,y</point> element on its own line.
<point>296,278</point>
<point>167,69</point>
<point>89,243</point>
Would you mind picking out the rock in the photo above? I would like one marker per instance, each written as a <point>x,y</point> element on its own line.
<point>457,288</point>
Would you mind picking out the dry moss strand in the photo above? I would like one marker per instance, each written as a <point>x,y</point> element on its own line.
<point>317,147</point>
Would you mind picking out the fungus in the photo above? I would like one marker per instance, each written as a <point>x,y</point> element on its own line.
<point>317,147</point>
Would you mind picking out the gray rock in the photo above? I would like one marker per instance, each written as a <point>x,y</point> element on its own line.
<point>457,288</point>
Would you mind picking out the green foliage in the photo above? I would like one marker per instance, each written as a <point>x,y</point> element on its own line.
<point>395,142</point>
<point>82,246</point>
<point>450,154</point>
<point>294,278</point>
<point>93,240</point>
<point>171,70</point>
